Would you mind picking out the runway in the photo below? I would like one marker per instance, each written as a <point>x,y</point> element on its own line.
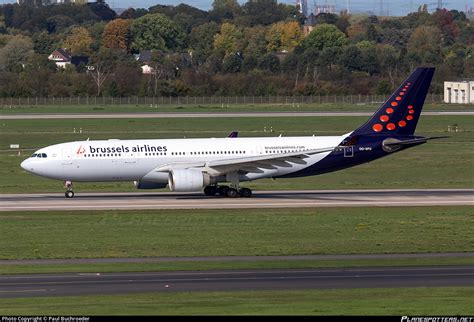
<point>260,199</point>
<point>238,280</point>
<point>204,115</point>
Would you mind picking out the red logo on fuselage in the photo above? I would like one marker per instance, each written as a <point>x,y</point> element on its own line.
<point>81,150</point>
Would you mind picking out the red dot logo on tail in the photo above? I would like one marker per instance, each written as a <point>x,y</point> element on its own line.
<point>377,127</point>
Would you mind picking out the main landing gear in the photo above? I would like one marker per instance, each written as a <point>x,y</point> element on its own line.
<point>227,191</point>
<point>68,186</point>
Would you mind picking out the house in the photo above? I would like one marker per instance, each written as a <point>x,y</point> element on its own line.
<point>461,92</point>
<point>62,57</point>
<point>145,57</point>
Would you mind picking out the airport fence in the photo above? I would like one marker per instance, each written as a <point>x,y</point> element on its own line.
<point>202,100</point>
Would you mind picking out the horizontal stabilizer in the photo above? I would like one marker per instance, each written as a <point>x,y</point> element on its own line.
<point>392,144</point>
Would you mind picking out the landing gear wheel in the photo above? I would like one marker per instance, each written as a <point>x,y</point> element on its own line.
<point>69,194</point>
<point>222,190</point>
<point>245,192</point>
<point>210,190</point>
<point>232,193</point>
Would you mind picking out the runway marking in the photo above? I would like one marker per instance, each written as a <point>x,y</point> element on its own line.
<point>213,279</point>
<point>272,271</point>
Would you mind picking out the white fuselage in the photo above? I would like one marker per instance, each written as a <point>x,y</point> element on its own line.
<point>130,160</point>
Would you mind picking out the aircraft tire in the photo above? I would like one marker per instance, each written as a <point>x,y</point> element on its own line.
<point>232,193</point>
<point>69,194</point>
<point>222,190</point>
<point>245,192</point>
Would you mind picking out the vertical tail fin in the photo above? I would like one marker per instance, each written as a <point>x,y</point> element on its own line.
<point>400,113</point>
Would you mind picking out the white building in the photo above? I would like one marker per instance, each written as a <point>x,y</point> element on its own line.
<point>302,6</point>
<point>459,92</point>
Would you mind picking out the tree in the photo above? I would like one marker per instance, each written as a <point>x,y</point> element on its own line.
<point>78,41</point>
<point>232,63</point>
<point>425,43</point>
<point>266,12</point>
<point>444,20</point>
<point>284,36</point>
<point>201,41</point>
<point>254,41</point>
<point>373,34</point>
<point>132,13</point>
<point>224,10</point>
<point>117,34</point>
<point>270,63</point>
<point>103,63</point>
<point>102,10</point>
<point>351,58</point>
<point>43,42</point>
<point>228,40</point>
<point>388,59</point>
<point>16,53</point>
<point>156,31</point>
<point>325,36</point>
<point>369,57</point>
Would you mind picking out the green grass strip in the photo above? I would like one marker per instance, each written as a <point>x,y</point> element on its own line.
<point>175,233</point>
<point>402,301</point>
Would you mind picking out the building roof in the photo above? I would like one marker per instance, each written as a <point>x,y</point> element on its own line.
<point>63,53</point>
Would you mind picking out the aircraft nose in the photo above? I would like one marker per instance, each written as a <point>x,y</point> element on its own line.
<point>26,164</point>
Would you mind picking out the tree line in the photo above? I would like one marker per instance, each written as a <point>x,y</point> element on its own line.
<point>258,48</point>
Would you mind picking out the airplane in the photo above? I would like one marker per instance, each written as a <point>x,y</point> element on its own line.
<point>207,164</point>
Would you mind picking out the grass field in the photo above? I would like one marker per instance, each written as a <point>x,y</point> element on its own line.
<point>195,108</point>
<point>175,233</point>
<point>446,163</point>
<point>395,301</point>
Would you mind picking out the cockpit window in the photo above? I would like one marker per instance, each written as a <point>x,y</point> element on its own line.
<point>44,155</point>
<point>34,155</point>
<point>38,155</point>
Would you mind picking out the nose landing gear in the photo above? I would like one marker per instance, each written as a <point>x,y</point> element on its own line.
<point>68,186</point>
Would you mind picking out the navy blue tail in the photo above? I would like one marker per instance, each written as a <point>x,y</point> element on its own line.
<point>400,113</point>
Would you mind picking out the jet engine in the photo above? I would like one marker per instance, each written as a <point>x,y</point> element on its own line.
<point>187,180</point>
<point>149,185</point>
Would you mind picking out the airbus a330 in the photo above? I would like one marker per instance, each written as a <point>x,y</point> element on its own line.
<point>217,166</point>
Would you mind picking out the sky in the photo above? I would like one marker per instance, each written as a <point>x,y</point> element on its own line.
<point>394,7</point>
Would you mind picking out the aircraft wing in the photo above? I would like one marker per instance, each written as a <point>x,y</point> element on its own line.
<point>255,164</point>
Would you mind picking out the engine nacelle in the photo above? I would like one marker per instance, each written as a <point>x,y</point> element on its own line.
<point>149,185</point>
<point>187,180</point>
